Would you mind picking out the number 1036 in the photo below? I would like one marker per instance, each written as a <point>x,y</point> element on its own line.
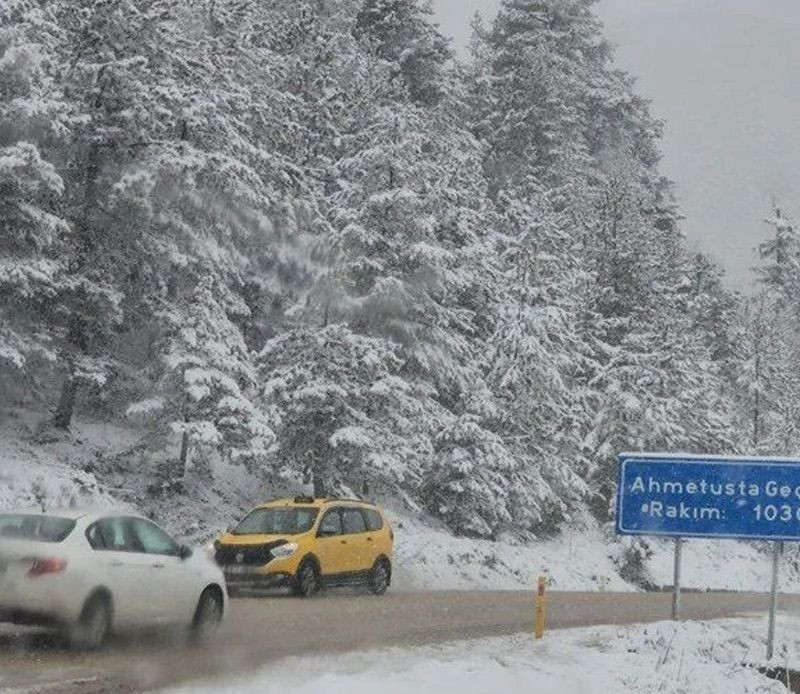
<point>771,512</point>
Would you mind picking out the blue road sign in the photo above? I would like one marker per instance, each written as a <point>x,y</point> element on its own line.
<point>708,496</point>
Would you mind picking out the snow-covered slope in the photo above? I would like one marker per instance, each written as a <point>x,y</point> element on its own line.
<point>51,469</point>
<point>102,465</point>
<point>99,465</point>
<point>578,559</point>
<point>669,658</point>
<point>582,557</point>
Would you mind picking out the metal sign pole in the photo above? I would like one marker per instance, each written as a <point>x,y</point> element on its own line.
<point>777,550</point>
<point>676,581</point>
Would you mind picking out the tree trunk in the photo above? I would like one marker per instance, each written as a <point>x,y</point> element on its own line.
<point>181,471</point>
<point>319,474</point>
<point>66,403</point>
<point>756,426</point>
<point>757,408</point>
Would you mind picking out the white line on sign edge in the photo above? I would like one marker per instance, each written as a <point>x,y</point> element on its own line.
<point>694,457</point>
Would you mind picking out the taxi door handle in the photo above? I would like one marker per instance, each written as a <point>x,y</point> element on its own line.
<point>369,539</point>
<point>116,562</point>
<point>158,566</point>
<point>344,542</point>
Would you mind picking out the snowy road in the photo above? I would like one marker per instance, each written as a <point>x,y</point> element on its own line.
<point>261,630</point>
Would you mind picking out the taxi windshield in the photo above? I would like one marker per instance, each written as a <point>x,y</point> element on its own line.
<point>277,521</point>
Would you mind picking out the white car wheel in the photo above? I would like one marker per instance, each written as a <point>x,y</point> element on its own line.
<point>208,615</point>
<point>90,633</point>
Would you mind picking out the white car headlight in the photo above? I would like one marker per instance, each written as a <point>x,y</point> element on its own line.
<point>283,551</point>
<point>210,548</point>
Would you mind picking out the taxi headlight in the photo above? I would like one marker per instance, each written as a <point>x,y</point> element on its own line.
<point>283,551</point>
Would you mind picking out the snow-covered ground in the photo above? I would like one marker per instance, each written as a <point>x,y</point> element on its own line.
<point>99,465</point>
<point>52,468</point>
<point>582,557</point>
<point>664,658</point>
<point>95,465</point>
<point>578,559</point>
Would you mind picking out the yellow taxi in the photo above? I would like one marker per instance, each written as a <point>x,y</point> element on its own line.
<point>307,544</point>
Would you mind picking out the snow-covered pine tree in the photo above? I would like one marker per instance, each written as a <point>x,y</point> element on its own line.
<point>767,381</point>
<point>32,228</point>
<point>344,414</point>
<point>108,61</point>
<point>628,330</point>
<point>206,383</point>
<point>402,33</point>
<point>767,364</point>
<point>408,264</point>
<point>402,256</point>
<point>546,61</point>
<point>527,103</point>
<point>228,210</point>
<point>780,269</point>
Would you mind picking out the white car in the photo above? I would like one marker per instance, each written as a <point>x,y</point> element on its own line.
<point>92,573</point>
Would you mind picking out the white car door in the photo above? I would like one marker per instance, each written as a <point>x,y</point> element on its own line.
<point>172,588</point>
<point>122,569</point>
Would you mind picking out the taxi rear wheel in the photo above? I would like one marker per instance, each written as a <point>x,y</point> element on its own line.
<point>379,577</point>
<point>306,582</point>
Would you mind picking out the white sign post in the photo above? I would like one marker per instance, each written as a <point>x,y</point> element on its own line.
<point>676,582</point>
<point>777,550</point>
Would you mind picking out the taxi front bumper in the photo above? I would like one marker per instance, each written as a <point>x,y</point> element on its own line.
<point>246,578</point>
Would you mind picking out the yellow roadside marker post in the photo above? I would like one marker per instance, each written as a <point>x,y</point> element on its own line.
<point>540,608</point>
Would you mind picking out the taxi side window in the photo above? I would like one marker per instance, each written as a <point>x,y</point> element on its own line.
<point>374,520</point>
<point>353,521</point>
<point>331,524</point>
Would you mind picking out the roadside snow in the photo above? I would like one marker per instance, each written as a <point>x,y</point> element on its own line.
<point>578,559</point>
<point>55,471</point>
<point>663,658</point>
<point>98,465</point>
<point>583,557</point>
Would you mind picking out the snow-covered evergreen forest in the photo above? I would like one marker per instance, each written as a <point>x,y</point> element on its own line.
<point>301,236</point>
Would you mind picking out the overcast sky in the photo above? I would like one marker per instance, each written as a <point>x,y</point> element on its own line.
<point>723,74</point>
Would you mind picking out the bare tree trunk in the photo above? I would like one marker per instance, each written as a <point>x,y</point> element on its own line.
<point>757,408</point>
<point>76,334</point>
<point>320,486</point>
<point>319,474</point>
<point>181,471</point>
<point>66,403</point>
<point>756,416</point>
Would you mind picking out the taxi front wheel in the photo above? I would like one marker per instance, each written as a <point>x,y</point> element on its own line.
<point>306,582</point>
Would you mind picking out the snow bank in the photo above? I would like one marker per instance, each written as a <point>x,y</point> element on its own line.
<point>57,468</point>
<point>668,658</point>
<point>578,559</point>
<point>94,466</point>
<point>583,557</point>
